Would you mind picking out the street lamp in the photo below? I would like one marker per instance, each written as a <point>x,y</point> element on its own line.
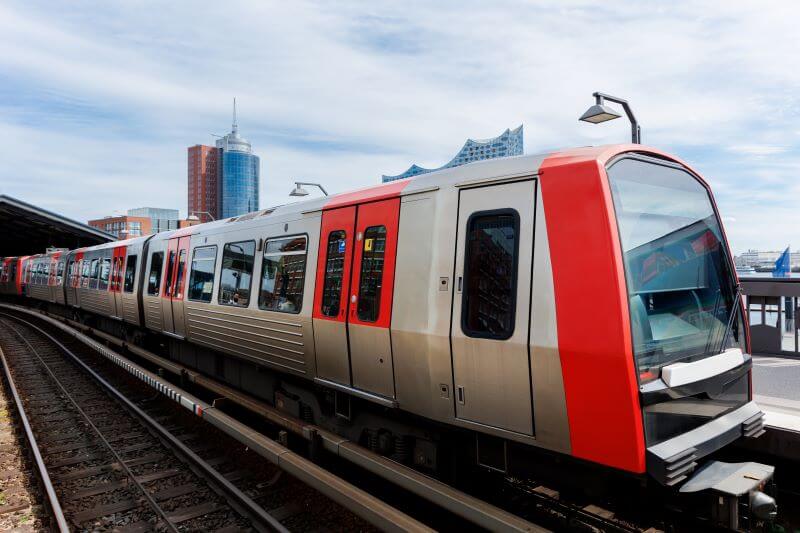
<point>600,112</point>
<point>193,216</point>
<point>300,191</point>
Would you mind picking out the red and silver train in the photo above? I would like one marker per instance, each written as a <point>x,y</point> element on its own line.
<point>582,302</point>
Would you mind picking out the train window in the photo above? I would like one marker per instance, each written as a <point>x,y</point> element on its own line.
<point>283,275</point>
<point>94,272</point>
<point>179,275</point>
<point>105,269</point>
<point>237,272</point>
<point>201,279</point>
<point>490,274</point>
<point>371,279</point>
<point>154,278</point>
<point>334,273</point>
<point>86,270</point>
<point>60,273</point>
<point>130,273</point>
<point>168,278</point>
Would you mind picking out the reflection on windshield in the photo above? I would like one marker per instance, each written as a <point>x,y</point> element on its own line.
<point>680,286</point>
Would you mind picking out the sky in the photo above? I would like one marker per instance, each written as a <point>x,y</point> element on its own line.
<point>100,100</point>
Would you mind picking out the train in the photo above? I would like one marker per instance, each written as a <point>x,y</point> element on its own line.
<point>578,308</point>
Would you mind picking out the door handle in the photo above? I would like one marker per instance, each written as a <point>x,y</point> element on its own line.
<point>460,283</point>
<point>460,392</point>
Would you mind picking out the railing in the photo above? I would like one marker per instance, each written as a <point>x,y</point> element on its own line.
<point>772,307</point>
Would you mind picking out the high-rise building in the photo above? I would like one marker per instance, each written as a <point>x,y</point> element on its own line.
<point>204,182</point>
<point>239,175</point>
<point>160,219</point>
<point>506,144</point>
<point>223,179</point>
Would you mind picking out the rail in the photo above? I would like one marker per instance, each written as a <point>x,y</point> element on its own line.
<point>365,505</point>
<point>41,469</point>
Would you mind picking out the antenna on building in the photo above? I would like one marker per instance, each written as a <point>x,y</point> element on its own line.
<point>235,126</point>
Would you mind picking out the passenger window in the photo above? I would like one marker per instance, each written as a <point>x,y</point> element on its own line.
<point>86,270</point>
<point>179,276</point>
<point>201,280</point>
<point>334,273</point>
<point>94,273</point>
<point>154,277</point>
<point>130,273</point>
<point>371,278</point>
<point>237,272</point>
<point>60,273</point>
<point>283,275</point>
<point>490,275</point>
<point>168,279</point>
<point>105,268</point>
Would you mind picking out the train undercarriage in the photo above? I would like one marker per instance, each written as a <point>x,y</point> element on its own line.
<point>729,492</point>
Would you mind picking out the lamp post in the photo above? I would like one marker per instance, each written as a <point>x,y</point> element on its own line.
<point>300,191</point>
<point>600,112</point>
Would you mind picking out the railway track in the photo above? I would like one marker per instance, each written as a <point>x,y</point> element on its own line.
<point>525,501</point>
<point>118,457</point>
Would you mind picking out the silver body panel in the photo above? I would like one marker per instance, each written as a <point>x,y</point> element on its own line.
<point>513,383</point>
<point>492,377</point>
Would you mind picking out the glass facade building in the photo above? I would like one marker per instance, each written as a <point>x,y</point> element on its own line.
<point>239,174</point>
<point>507,144</point>
<point>160,219</point>
<point>239,183</point>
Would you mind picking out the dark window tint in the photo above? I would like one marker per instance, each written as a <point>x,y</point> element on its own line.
<point>490,275</point>
<point>201,280</point>
<point>283,275</point>
<point>168,275</point>
<point>94,273</point>
<point>179,274</point>
<point>85,271</point>
<point>371,280</point>
<point>105,269</point>
<point>334,273</point>
<point>237,272</point>
<point>154,277</point>
<point>130,273</point>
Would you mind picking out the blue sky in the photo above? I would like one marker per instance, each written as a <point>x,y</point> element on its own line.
<point>99,100</point>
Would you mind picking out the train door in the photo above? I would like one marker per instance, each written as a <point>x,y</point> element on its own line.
<point>331,295</point>
<point>371,285</point>
<point>491,306</point>
<point>174,283</point>
<point>117,269</point>
<point>353,300</point>
<point>170,260</point>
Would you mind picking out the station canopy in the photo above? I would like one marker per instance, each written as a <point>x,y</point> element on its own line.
<point>26,229</point>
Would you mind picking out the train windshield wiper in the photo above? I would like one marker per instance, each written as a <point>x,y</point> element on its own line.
<point>734,311</point>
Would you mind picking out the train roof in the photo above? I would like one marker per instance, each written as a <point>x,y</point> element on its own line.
<point>489,170</point>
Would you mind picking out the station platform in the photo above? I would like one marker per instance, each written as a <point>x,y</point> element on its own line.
<point>776,389</point>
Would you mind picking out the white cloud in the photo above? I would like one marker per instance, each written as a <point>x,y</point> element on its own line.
<point>106,97</point>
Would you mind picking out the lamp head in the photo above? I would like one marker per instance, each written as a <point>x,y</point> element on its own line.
<point>599,113</point>
<point>298,191</point>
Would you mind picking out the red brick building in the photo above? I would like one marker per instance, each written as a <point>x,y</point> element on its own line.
<point>124,226</point>
<point>203,182</point>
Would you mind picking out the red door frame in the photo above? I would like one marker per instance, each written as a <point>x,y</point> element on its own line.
<point>334,220</point>
<point>383,213</point>
<point>175,246</point>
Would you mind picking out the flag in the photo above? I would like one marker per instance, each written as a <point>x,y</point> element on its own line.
<point>782,265</point>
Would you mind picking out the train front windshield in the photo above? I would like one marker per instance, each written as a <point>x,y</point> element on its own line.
<point>681,287</point>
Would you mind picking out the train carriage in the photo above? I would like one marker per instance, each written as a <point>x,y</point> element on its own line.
<point>583,302</point>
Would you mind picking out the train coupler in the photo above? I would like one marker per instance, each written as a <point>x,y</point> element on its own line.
<point>740,493</point>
